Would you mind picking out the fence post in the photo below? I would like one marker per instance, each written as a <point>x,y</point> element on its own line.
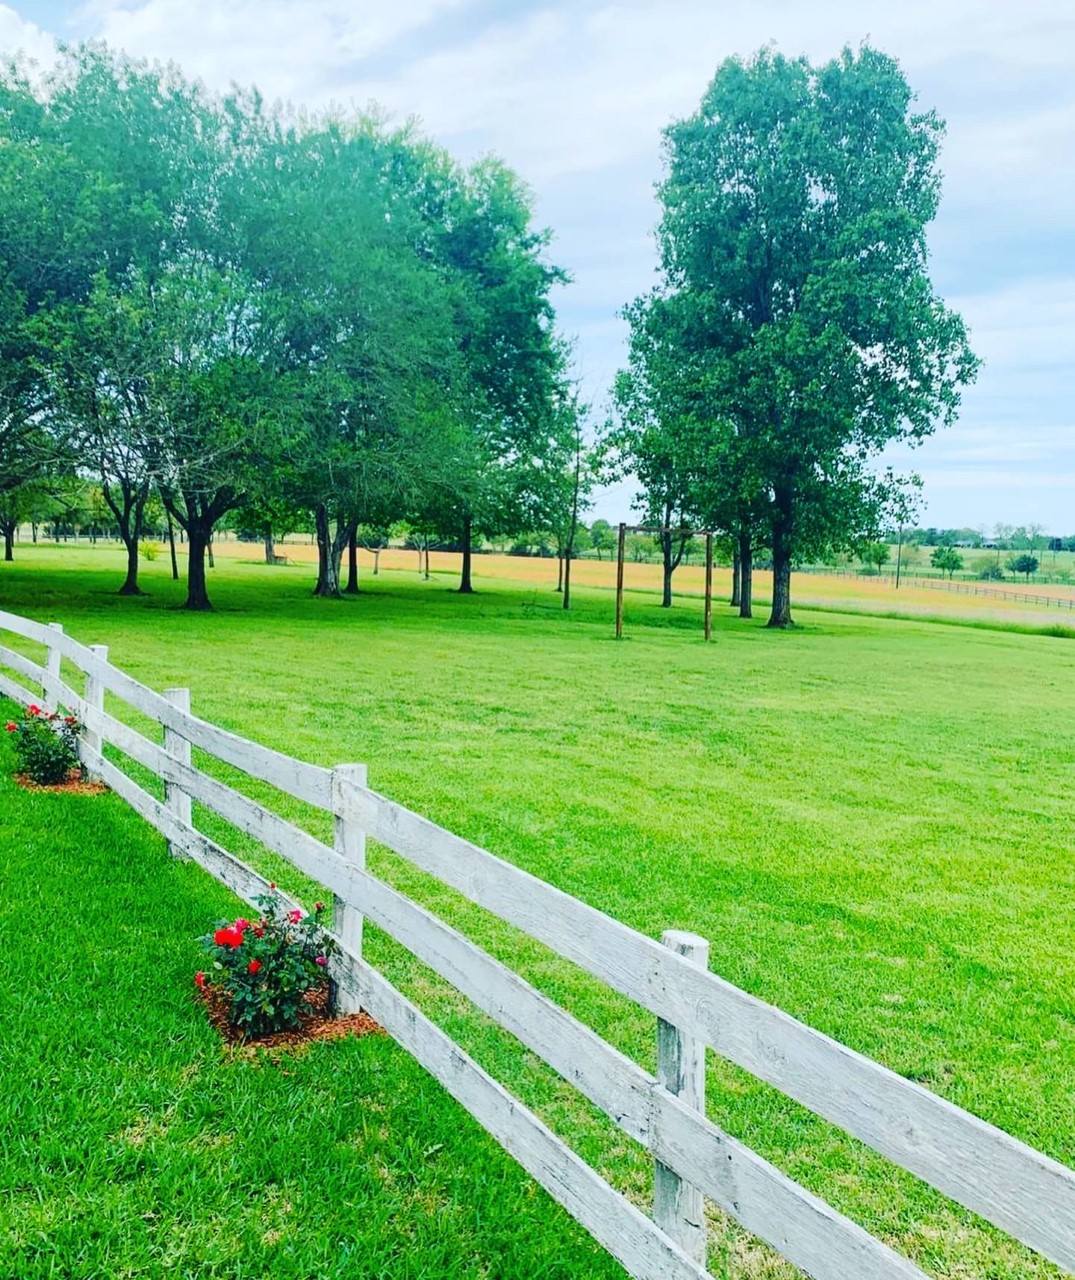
<point>52,671</point>
<point>179,749</point>
<point>349,841</point>
<point>94,698</point>
<point>678,1208</point>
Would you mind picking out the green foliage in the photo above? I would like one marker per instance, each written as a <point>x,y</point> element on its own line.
<point>46,744</point>
<point>244,307</point>
<point>602,537</point>
<point>876,554</point>
<point>266,967</point>
<point>1025,564</point>
<point>989,570</point>
<point>947,559</point>
<point>795,332</point>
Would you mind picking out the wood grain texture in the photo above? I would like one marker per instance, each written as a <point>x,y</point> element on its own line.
<point>1018,1189</point>
<point>349,842</point>
<point>628,1235</point>
<point>677,1203</point>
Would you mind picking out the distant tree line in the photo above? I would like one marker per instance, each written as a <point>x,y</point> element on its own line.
<point>271,319</point>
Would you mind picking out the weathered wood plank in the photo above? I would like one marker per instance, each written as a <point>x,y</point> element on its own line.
<point>94,700</point>
<point>677,1204</point>
<point>803,1228</point>
<point>349,843</point>
<point>16,692</point>
<point>175,745</point>
<point>17,662</point>
<point>303,781</point>
<point>276,833</point>
<point>1020,1190</point>
<point>776,1209</point>
<point>627,1234</point>
<point>25,627</point>
<point>231,871</point>
<point>308,782</point>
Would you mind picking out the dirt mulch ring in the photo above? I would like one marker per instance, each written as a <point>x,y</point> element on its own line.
<point>76,785</point>
<point>317,1023</point>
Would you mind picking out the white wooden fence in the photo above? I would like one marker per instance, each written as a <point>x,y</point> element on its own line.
<point>1026,1194</point>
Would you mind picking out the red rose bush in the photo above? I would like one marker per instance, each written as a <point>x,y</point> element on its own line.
<point>46,744</point>
<point>266,967</point>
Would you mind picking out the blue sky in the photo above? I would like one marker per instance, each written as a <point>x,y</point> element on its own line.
<point>573,94</point>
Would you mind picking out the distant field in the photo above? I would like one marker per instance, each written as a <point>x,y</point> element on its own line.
<point>870,820</point>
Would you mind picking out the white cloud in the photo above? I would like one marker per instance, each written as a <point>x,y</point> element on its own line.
<point>18,35</point>
<point>574,95</point>
<point>291,50</point>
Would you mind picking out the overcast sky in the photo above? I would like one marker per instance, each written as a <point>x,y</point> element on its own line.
<point>573,95</point>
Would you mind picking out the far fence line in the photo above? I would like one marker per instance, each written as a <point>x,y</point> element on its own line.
<point>1018,1189</point>
<point>939,584</point>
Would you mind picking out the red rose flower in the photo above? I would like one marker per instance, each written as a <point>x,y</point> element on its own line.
<point>241,924</point>
<point>321,960</point>
<point>259,932</point>
<point>294,916</point>
<point>11,727</point>
<point>254,966</point>
<point>33,710</point>
<point>319,906</point>
<point>228,937</point>
<point>199,979</point>
<point>69,719</point>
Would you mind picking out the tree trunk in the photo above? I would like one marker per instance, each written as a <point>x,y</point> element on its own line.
<point>426,575</point>
<point>668,567</point>
<point>33,534</point>
<point>352,563</point>
<point>465,585</point>
<point>171,548</point>
<point>209,549</point>
<point>9,542</point>
<point>328,566</point>
<point>270,546</point>
<point>567,578</point>
<point>197,544</point>
<point>376,561</point>
<point>781,614</point>
<point>130,583</point>
<point>737,582</point>
<point>559,572</point>
<point>746,576</point>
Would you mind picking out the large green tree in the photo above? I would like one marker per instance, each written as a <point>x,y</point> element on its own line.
<point>796,296</point>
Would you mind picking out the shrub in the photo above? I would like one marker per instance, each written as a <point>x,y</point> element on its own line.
<point>46,744</point>
<point>266,967</point>
<point>150,550</point>
<point>990,571</point>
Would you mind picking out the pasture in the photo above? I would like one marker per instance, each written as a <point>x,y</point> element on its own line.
<point>868,818</point>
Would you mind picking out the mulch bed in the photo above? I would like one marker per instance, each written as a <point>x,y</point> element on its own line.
<point>315,1024</point>
<point>76,785</point>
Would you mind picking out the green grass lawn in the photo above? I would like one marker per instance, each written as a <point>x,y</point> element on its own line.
<point>869,819</point>
<point>131,1144</point>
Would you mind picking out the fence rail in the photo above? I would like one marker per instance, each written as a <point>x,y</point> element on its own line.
<point>960,587</point>
<point>1018,1189</point>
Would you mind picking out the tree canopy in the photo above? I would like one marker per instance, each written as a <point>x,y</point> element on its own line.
<point>795,333</point>
<point>241,307</point>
